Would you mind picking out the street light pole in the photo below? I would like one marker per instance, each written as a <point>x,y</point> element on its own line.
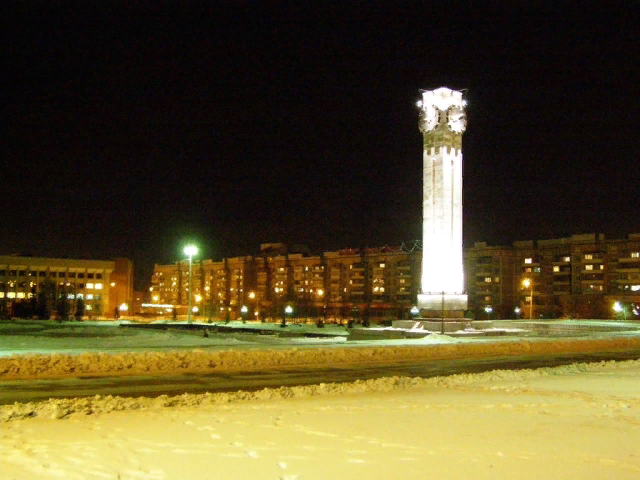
<point>190,250</point>
<point>527,282</point>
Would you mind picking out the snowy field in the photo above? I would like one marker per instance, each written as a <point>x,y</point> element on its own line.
<point>578,421</point>
<point>49,349</point>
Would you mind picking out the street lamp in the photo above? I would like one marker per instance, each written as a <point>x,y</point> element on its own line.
<point>527,282</point>
<point>488,309</point>
<point>618,307</point>
<point>517,310</point>
<point>191,251</point>
<point>414,311</point>
<point>244,311</point>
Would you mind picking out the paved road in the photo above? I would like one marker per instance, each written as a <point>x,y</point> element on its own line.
<point>152,386</point>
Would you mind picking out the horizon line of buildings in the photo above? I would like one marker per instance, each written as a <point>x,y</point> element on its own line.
<point>579,277</point>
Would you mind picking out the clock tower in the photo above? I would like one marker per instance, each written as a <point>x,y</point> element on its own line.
<point>442,123</point>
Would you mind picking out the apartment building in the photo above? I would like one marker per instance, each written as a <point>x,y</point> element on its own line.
<point>98,283</point>
<point>378,283</point>
<point>579,276</point>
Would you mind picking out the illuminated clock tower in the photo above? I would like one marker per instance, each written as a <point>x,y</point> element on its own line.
<point>442,123</point>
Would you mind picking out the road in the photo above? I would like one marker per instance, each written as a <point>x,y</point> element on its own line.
<point>151,386</point>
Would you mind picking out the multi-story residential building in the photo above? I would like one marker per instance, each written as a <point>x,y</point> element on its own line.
<point>577,276</point>
<point>374,282</point>
<point>102,285</point>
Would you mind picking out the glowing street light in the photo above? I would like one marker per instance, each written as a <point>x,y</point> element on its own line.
<point>124,307</point>
<point>190,251</point>
<point>527,282</point>
<point>618,307</point>
<point>252,295</point>
<point>414,311</point>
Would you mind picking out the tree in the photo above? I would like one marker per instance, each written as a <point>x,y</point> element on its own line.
<point>62,306</point>
<point>79,309</point>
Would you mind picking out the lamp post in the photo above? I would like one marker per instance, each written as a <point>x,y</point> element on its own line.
<point>527,282</point>
<point>191,251</point>
<point>618,307</point>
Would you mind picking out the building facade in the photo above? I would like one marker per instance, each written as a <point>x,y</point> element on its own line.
<point>378,283</point>
<point>581,276</point>
<point>25,279</point>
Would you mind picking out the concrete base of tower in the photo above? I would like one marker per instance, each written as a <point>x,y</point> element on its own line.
<point>434,305</point>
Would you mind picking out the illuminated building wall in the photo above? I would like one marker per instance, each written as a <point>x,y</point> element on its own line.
<point>22,278</point>
<point>442,123</point>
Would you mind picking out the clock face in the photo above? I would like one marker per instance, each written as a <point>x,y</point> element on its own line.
<point>456,119</point>
<point>429,117</point>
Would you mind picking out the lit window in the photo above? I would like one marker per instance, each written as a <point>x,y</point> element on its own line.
<point>11,295</point>
<point>528,260</point>
<point>20,294</point>
<point>88,307</point>
<point>70,296</point>
<point>90,285</point>
<point>588,267</point>
<point>566,259</point>
<point>1,294</point>
<point>488,298</point>
<point>588,256</point>
<point>601,267</point>
<point>80,295</point>
<point>635,254</point>
<point>556,268</point>
<point>98,286</point>
<point>401,280</point>
<point>497,279</point>
<point>382,265</point>
<point>487,279</point>
<point>90,296</point>
<point>527,299</point>
<point>382,289</point>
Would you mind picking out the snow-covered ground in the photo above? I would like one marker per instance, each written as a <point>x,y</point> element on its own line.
<point>578,421</point>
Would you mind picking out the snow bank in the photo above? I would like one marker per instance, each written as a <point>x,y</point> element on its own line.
<point>60,408</point>
<point>56,365</point>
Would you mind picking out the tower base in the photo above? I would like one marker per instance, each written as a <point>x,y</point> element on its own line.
<point>438,305</point>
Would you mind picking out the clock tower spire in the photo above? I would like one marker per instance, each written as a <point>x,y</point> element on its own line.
<point>442,123</point>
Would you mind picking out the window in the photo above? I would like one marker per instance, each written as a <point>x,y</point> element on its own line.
<point>566,259</point>
<point>527,298</point>
<point>81,275</point>
<point>90,285</point>
<point>487,279</point>
<point>11,295</point>
<point>20,294</point>
<point>487,299</point>
<point>635,254</point>
<point>382,265</point>
<point>588,256</point>
<point>98,286</point>
<point>556,268</point>
<point>3,273</point>
<point>601,267</point>
<point>98,275</point>
<point>12,273</point>
<point>89,275</point>
<point>22,273</point>
<point>81,285</point>
<point>90,296</point>
<point>1,294</point>
<point>536,270</point>
<point>588,267</point>
<point>528,260</point>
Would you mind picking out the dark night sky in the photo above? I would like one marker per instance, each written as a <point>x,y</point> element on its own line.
<point>132,127</point>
